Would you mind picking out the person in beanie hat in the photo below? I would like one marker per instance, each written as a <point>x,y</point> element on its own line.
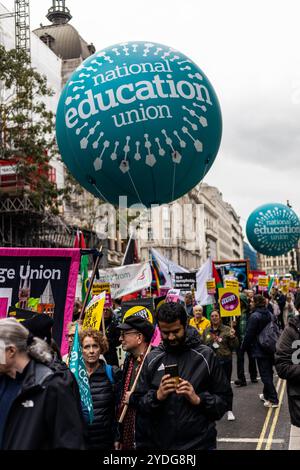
<point>40,326</point>
<point>135,334</point>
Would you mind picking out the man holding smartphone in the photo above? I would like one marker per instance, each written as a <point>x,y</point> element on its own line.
<point>179,413</point>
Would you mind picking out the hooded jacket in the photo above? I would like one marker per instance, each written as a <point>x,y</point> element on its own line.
<point>256,323</point>
<point>287,363</point>
<point>45,414</point>
<point>176,424</point>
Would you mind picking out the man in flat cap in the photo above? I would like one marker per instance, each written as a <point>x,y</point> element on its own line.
<point>135,334</point>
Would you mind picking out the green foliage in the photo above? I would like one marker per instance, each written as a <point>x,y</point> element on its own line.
<point>27,128</point>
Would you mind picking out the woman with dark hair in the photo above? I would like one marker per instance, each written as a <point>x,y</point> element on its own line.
<point>38,409</point>
<point>223,341</point>
<point>259,318</point>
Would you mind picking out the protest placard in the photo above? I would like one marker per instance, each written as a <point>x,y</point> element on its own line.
<point>229,300</point>
<point>94,312</point>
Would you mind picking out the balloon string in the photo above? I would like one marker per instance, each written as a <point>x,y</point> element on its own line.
<point>134,187</point>
<point>100,194</point>
<point>174,176</point>
<point>122,220</point>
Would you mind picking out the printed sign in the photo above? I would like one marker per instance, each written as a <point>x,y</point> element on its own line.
<point>41,280</point>
<point>139,307</point>
<point>229,300</point>
<point>98,288</point>
<point>139,311</point>
<point>231,283</point>
<point>263,283</point>
<point>127,279</point>
<point>211,286</point>
<point>237,268</point>
<point>94,312</point>
<point>173,295</point>
<point>185,282</point>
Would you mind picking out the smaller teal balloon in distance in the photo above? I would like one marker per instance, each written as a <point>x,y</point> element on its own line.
<point>140,120</point>
<point>273,229</point>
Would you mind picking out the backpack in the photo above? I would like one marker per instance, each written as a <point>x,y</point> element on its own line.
<point>269,336</point>
<point>109,373</point>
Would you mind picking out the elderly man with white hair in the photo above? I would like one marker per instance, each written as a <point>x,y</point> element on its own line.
<point>38,409</point>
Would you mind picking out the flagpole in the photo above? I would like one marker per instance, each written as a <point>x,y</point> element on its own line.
<point>99,256</point>
<point>127,249</point>
<point>121,419</point>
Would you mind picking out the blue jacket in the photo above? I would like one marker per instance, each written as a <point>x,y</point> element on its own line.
<point>256,323</point>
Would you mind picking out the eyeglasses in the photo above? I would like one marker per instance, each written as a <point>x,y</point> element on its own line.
<point>69,336</point>
<point>125,333</point>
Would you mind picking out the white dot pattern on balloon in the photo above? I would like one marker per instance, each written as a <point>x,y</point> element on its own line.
<point>165,54</point>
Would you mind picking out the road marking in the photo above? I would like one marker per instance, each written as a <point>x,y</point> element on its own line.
<point>249,440</point>
<point>275,419</point>
<point>266,423</point>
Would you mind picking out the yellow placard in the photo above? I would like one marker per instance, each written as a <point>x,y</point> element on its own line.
<point>293,284</point>
<point>229,301</point>
<point>232,284</point>
<point>211,286</point>
<point>263,281</point>
<point>94,312</point>
<point>99,287</point>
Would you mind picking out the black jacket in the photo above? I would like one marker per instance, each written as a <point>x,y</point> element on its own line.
<point>101,433</point>
<point>287,363</point>
<point>256,323</point>
<point>113,336</point>
<point>45,414</point>
<point>175,424</point>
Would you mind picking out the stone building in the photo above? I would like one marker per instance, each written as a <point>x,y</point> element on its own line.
<point>198,225</point>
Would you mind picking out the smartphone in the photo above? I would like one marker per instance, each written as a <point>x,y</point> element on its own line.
<point>172,370</point>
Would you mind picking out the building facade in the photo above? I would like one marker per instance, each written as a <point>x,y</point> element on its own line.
<point>288,263</point>
<point>57,49</point>
<point>197,226</point>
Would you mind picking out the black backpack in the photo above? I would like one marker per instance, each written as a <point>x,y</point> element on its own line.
<point>269,336</point>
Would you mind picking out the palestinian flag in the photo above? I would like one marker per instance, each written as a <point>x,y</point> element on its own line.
<point>219,284</point>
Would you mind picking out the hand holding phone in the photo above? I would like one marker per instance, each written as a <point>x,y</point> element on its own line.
<point>168,383</point>
<point>172,370</point>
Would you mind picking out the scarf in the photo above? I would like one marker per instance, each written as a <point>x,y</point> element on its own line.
<point>129,420</point>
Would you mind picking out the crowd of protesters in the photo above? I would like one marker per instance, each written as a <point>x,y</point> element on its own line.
<point>169,396</point>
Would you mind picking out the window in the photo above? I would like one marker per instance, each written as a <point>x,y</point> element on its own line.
<point>167,232</point>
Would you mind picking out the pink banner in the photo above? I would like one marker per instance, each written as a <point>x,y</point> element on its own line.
<point>46,275</point>
<point>3,307</point>
<point>156,340</point>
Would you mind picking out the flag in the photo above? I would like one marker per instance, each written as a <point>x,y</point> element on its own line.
<point>155,276</point>
<point>207,271</point>
<point>156,339</point>
<point>204,273</point>
<point>77,367</point>
<point>80,243</point>
<point>166,267</point>
<point>216,276</point>
<point>131,253</point>
<point>271,284</point>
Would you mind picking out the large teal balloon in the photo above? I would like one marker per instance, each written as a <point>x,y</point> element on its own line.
<point>139,120</point>
<point>273,229</point>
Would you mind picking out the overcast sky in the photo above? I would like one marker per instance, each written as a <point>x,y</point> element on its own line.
<point>250,51</point>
